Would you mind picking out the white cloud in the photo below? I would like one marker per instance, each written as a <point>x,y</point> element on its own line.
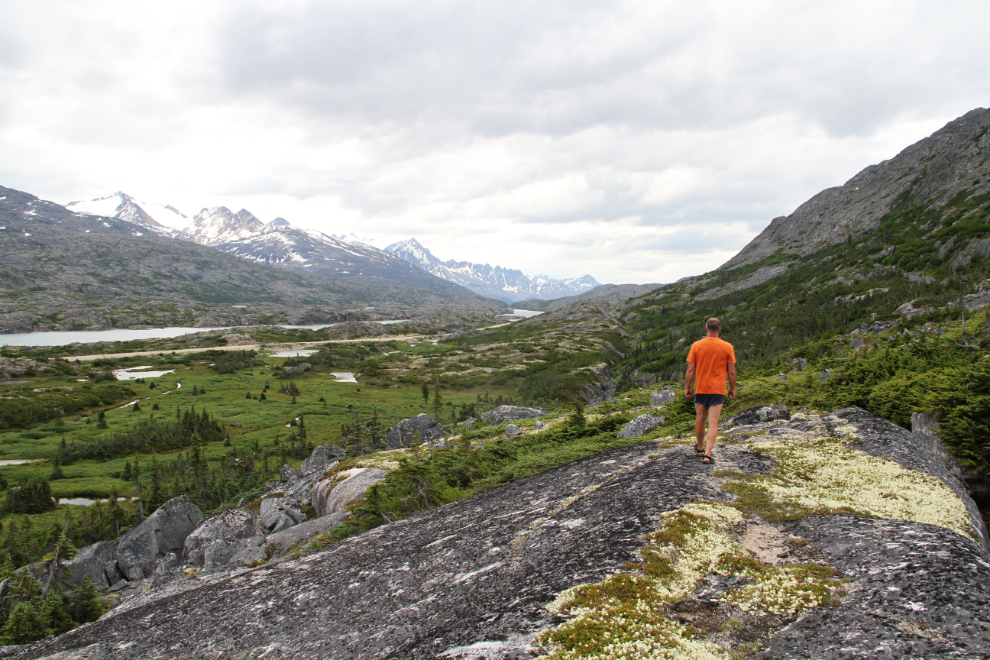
<point>636,141</point>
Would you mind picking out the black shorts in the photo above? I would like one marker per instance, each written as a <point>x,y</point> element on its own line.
<point>709,400</point>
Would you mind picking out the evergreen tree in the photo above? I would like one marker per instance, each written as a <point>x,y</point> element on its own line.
<point>155,407</point>
<point>56,468</point>
<point>89,606</point>
<point>262,397</point>
<point>126,474</point>
<point>25,623</point>
<point>137,407</point>
<point>426,394</point>
<point>195,391</point>
<point>437,403</point>
<point>101,420</point>
<point>55,570</point>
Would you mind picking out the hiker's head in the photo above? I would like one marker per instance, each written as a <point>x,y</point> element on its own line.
<point>714,326</point>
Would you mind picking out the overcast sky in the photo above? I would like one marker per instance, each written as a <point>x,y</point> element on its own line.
<point>635,141</point>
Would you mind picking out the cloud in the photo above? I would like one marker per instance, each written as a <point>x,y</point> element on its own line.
<point>636,141</point>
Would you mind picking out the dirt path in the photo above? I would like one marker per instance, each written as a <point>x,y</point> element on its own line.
<point>248,347</point>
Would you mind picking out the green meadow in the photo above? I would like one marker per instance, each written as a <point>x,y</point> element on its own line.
<point>252,424</point>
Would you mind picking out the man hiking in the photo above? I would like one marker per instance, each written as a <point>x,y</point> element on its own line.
<point>710,361</point>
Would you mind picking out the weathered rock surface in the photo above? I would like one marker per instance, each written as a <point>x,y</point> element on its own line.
<point>504,414</point>
<point>321,458</point>
<point>278,513</point>
<point>640,426</point>
<point>404,433</point>
<point>662,397</point>
<point>217,539</point>
<point>761,414</point>
<point>304,531</point>
<point>511,431</point>
<point>473,578</point>
<point>331,495</point>
<point>162,532</point>
<point>98,562</point>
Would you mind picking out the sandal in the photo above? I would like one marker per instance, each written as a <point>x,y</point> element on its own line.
<point>708,459</point>
<point>699,450</point>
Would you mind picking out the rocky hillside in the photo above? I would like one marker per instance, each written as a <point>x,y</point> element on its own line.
<point>948,166</point>
<point>63,270</point>
<point>496,282</point>
<point>635,552</point>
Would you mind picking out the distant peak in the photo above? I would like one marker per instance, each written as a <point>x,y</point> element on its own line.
<point>279,223</point>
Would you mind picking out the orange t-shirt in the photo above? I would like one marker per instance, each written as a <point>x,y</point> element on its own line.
<point>711,357</point>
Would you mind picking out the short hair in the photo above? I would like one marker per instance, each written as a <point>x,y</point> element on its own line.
<point>714,325</point>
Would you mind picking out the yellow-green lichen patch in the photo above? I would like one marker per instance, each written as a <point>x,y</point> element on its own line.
<point>821,474</point>
<point>629,615</point>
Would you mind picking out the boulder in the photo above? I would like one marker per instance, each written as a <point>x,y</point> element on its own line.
<point>247,556</point>
<point>98,562</point>
<point>512,430</point>
<point>504,414</point>
<point>404,433</point>
<point>305,531</point>
<point>825,375</point>
<point>162,532</point>
<point>782,377</point>
<point>288,474</point>
<point>639,426</point>
<point>799,364</point>
<point>540,425</point>
<point>218,538</point>
<point>298,369</point>
<point>777,411</point>
<point>299,491</point>
<point>321,458</point>
<point>329,498</point>
<point>277,513</point>
<point>662,398</point>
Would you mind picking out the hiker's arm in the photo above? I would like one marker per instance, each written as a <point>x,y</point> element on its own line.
<point>732,381</point>
<point>689,380</point>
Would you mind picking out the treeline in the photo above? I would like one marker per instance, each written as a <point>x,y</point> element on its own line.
<point>146,437</point>
<point>23,407</point>
<point>227,362</point>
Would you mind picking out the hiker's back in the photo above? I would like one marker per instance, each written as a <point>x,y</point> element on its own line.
<point>711,357</point>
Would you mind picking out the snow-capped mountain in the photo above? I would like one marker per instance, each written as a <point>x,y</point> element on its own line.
<point>505,284</point>
<point>160,218</point>
<point>353,238</point>
<point>218,225</point>
<point>276,243</point>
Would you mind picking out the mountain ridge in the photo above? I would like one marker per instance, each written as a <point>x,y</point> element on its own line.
<point>277,243</point>
<point>507,284</point>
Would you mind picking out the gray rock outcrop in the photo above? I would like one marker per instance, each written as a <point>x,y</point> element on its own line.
<point>321,458</point>
<point>640,426</point>
<point>162,532</point>
<point>512,431</point>
<point>482,571</point>
<point>217,539</point>
<point>333,495</point>
<point>303,532</point>
<point>278,513</point>
<point>98,562</point>
<point>777,411</point>
<point>662,397</point>
<point>405,432</point>
<point>504,414</point>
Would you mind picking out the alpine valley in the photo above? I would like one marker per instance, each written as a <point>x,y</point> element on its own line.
<point>496,490</point>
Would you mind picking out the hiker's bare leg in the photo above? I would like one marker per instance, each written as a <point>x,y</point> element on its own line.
<point>699,424</point>
<point>713,414</point>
